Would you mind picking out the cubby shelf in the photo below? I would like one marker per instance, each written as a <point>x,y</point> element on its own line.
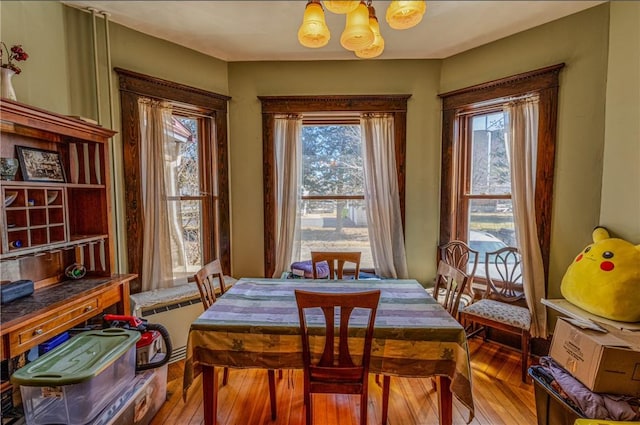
<point>36,216</point>
<point>44,216</point>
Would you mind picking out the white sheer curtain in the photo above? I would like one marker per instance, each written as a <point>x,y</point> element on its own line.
<point>288,159</point>
<point>156,130</point>
<point>381,195</point>
<point>522,141</point>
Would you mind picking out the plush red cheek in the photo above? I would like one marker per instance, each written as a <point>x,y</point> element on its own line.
<point>579,258</point>
<point>607,266</point>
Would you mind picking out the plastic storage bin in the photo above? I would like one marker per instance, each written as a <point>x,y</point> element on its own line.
<point>551,409</point>
<point>72,383</point>
<point>141,402</point>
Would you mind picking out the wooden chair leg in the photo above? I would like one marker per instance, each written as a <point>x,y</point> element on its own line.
<point>308,407</point>
<point>386,384</point>
<point>525,354</point>
<point>272,392</point>
<point>225,376</point>
<point>363,406</point>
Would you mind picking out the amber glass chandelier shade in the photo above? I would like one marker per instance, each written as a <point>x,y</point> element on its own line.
<point>340,7</point>
<point>377,47</point>
<point>313,32</point>
<point>357,34</point>
<point>405,14</point>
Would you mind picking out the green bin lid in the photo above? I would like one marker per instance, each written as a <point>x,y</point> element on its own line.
<point>80,359</point>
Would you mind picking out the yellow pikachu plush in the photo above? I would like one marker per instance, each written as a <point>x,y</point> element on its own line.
<point>604,279</point>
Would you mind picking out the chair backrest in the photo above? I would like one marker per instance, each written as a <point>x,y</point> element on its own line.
<point>335,372</point>
<point>453,281</point>
<point>206,279</point>
<point>503,270</point>
<point>336,261</point>
<point>460,255</point>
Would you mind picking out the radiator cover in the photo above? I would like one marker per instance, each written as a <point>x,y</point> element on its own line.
<point>177,319</point>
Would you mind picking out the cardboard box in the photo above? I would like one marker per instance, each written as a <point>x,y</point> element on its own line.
<point>603,362</point>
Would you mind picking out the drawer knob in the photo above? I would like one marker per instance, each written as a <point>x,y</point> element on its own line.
<point>88,308</point>
<point>38,331</point>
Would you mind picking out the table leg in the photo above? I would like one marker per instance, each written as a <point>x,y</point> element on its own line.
<point>272,392</point>
<point>209,394</point>
<point>386,384</point>
<point>445,400</point>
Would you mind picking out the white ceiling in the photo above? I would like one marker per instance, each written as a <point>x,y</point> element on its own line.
<point>267,30</point>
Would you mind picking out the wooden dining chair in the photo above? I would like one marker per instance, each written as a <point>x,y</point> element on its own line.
<point>503,305</point>
<point>336,261</point>
<point>325,372</point>
<point>210,282</point>
<point>450,284</point>
<point>449,287</point>
<point>460,255</point>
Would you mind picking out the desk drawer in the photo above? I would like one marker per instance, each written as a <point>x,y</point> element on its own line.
<point>52,324</point>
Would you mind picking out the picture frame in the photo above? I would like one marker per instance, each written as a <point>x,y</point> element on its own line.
<point>40,165</point>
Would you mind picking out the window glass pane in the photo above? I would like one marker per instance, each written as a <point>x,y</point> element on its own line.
<point>185,216</point>
<point>489,163</point>
<point>184,179</point>
<point>332,160</point>
<point>189,228</point>
<point>491,227</point>
<point>335,226</point>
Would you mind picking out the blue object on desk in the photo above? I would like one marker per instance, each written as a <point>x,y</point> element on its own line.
<point>52,343</point>
<point>14,290</point>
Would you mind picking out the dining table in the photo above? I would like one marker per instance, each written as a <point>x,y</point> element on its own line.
<point>255,324</point>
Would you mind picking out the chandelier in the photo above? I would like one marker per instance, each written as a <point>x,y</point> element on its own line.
<point>361,34</point>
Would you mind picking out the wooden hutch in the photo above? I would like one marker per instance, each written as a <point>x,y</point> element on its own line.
<point>48,223</point>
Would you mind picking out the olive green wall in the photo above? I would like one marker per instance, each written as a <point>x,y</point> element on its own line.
<point>59,76</point>
<point>141,53</point>
<point>620,206</point>
<point>580,41</point>
<point>247,80</point>
<point>39,27</point>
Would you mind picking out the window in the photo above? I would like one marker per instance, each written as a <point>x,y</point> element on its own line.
<point>330,107</point>
<point>192,207</point>
<point>333,209</point>
<point>485,218</point>
<point>476,190</point>
<point>197,181</point>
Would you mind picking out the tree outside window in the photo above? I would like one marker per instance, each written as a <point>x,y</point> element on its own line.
<point>332,207</point>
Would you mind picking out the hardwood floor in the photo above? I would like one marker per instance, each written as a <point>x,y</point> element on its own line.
<point>499,396</point>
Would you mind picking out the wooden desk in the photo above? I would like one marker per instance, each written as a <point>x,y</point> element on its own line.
<point>255,325</point>
<point>29,321</point>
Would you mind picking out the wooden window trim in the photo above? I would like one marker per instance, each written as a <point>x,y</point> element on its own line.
<point>544,82</point>
<point>274,105</point>
<point>193,101</point>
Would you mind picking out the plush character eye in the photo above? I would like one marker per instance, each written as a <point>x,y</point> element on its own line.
<point>607,254</point>
<point>587,249</point>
